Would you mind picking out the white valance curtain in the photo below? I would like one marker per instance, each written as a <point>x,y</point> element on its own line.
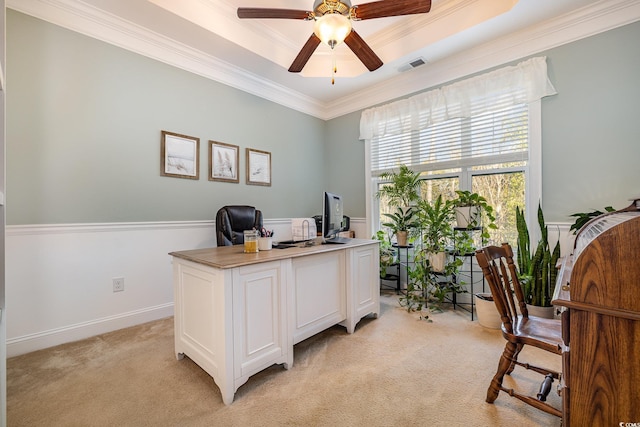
<point>519,84</point>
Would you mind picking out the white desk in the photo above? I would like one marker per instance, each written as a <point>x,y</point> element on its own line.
<point>237,314</point>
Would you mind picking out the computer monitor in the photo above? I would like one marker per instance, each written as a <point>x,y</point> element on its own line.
<point>332,216</point>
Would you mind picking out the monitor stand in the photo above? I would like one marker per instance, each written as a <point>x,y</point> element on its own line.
<point>337,240</point>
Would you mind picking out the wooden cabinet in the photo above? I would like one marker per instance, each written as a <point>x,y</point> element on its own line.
<point>237,314</point>
<point>252,299</point>
<point>599,292</point>
<point>319,290</point>
<point>259,316</point>
<point>362,271</point>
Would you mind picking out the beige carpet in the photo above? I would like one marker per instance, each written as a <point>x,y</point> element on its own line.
<point>393,371</point>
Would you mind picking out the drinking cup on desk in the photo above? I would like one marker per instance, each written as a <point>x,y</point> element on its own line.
<point>250,241</point>
<point>264,243</point>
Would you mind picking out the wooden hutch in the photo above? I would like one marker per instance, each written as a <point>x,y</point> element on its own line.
<point>598,291</point>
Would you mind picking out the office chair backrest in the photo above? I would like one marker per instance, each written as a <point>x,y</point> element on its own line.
<point>231,221</point>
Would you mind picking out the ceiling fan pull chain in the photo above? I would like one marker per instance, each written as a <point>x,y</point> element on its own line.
<point>334,67</point>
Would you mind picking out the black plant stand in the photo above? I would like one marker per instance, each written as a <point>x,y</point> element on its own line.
<point>400,265</point>
<point>469,256</point>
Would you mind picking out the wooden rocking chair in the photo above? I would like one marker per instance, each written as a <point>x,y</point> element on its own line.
<point>518,329</point>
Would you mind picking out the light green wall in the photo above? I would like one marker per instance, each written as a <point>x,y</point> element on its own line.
<point>345,158</point>
<point>590,130</point>
<point>84,121</point>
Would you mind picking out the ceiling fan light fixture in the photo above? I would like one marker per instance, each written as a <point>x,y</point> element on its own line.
<point>332,28</point>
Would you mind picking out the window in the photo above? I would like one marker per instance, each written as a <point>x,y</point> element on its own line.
<point>480,134</point>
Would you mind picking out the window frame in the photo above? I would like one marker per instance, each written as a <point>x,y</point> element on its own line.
<point>532,171</point>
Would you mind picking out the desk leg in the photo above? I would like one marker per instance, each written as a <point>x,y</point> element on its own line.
<point>227,396</point>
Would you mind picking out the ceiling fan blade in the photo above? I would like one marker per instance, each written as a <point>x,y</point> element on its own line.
<point>363,51</point>
<point>382,9</point>
<point>258,12</point>
<point>307,50</point>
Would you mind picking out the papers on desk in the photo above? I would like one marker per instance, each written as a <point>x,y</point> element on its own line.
<point>303,229</point>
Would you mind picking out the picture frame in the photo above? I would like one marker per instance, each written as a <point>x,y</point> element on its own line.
<point>258,167</point>
<point>179,156</point>
<point>223,162</point>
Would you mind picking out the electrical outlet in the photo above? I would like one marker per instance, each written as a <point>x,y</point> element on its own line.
<point>118,284</point>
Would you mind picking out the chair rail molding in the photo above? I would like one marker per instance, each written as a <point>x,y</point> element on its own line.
<point>59,277</point>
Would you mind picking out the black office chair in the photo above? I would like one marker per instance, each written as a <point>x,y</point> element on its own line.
<point>231,221</point>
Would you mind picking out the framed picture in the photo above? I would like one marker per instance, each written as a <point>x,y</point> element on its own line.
<point>179,156</point>
<point>223,162</point>
<point>258,167</point>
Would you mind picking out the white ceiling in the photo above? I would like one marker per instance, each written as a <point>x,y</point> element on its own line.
<point>457,38</point>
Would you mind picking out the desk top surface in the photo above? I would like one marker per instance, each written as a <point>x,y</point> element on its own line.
<point>234,256</point>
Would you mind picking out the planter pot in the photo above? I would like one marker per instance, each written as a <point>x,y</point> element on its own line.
<point>467,216</point>
<point>487,312</point>
<point>437,261</point>
<point>387,259</point>
<point>537,311</point>
<point>401,238</point>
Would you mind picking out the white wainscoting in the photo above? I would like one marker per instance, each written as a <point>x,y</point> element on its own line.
<point>560,231</point>
<point>59,277</point>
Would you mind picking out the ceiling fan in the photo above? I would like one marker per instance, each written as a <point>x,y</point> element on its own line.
<point>333,24</point>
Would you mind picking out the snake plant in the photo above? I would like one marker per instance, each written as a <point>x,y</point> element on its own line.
<point>537,273</point>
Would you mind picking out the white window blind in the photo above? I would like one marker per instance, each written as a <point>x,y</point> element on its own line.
<point>479,121</point>
<point>489,138</point>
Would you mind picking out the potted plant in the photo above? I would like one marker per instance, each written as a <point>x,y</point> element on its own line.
<point>401,222</point>
<point>403,188</point>
<point>537,272</point>
<point>472,211</point>
<point>431,277</point>
<point>434,222</point>
<point>428,288</point>
<point>387,253</point>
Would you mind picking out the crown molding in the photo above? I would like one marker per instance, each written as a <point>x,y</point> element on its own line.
<point>88,20</point>
<point>588,21</point>
<point>93,22</point>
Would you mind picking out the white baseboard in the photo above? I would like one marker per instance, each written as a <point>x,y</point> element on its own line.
<point>53,337</point>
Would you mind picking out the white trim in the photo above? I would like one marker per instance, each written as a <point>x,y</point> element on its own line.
<point>70,333</point>
<point>64,273</point>
<point>591,20</point>
<point>560,231</point>
<point>533,192</point>
<point>35,229</point>
<point>78,16</point>
<point>96,23</point>
<point>371,205</point>
<point>49,229</point>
